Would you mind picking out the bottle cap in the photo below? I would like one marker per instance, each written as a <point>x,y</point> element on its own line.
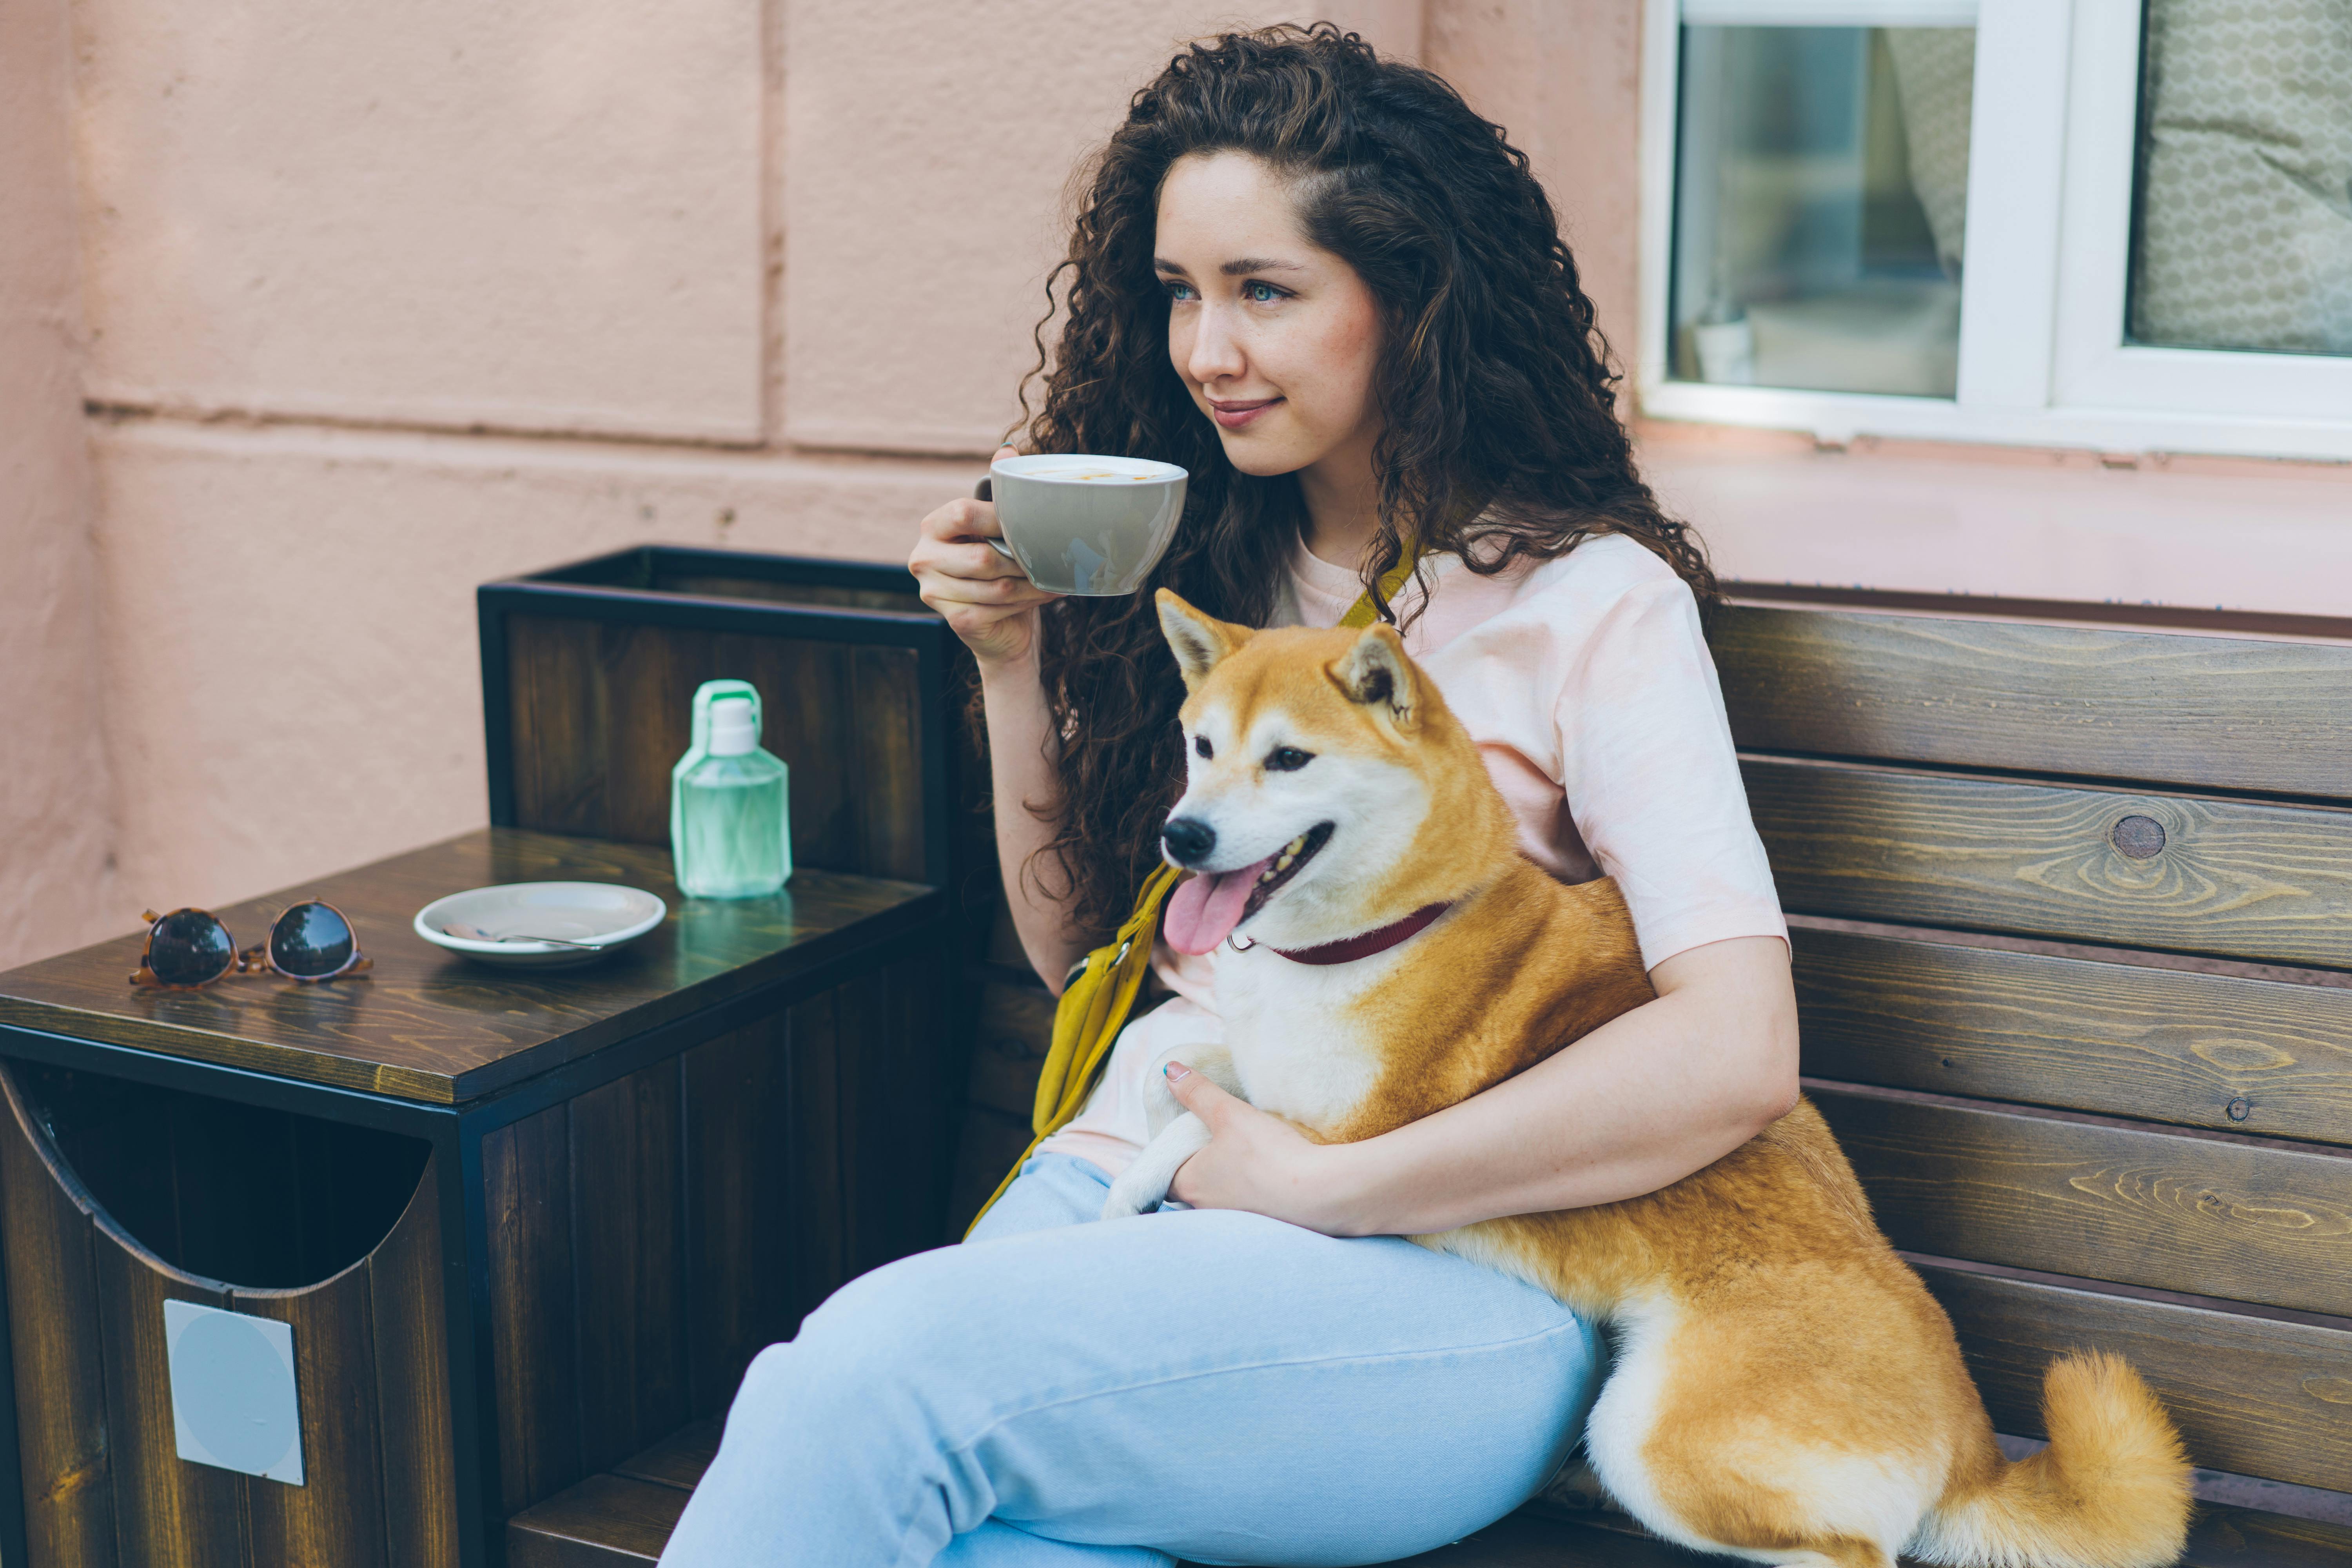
<point>732,733</point>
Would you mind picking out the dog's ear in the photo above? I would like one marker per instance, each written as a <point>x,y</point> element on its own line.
<point>1200,641</point>
<point>1376,672</point>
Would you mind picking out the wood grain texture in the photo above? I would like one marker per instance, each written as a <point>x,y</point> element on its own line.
<point>628,1262</point>
<point>2251,1395</point>
<point>430,1026</point>
<point>1016,1029</point>
<point>816,1233</point>
<point>2189,711</point>
<point>2142,617</point>
<point>739,1147</point>
<point>2234,880</point>
<point>2168,1211</point>
<point>1004,946</point>
<point>987,1144</point>
<point>715,585</point>
<point>872,1076</point>
<point>525,1192</point>
<point>679,1460</point>
<point>601,710</point>
<point>337,1515</point>
<point>887,701</point>
<point>2219,1537</point>
<point>875,1189</point>
<point>2247,1538</point>
<point>605,1521</point>
<point>166,1510</point>
<point>61,1418</point>
<point>899,1068</point>
<point>2206,1050</point>
<point>412,1383</point>
<point>559,724</point>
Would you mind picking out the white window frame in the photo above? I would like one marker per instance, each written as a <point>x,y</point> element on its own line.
<point>2043,360</point>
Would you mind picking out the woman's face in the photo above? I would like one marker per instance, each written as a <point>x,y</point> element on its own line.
<point>1275,338</point>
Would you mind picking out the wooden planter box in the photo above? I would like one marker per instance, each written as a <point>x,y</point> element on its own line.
<point>589,671</point>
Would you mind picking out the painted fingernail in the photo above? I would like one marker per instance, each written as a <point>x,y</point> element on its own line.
<point>1176,1070</point>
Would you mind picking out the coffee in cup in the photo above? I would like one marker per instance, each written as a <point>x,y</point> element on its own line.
<point>1081,524</point>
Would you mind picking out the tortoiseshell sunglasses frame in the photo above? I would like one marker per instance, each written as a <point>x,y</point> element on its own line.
<point>252,959</point>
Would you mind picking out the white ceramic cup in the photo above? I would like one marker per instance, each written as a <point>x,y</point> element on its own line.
<point>1078,524</point>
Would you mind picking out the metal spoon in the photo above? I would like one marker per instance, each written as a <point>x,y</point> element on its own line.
<point>476,933</point>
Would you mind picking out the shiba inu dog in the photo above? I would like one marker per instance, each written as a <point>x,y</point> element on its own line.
<point>1783,1388</point>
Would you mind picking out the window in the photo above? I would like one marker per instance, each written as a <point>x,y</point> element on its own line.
<point>1821,196</point>
<point>2117,224</point>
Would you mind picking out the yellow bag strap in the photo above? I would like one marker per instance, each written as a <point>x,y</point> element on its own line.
<point>1095,1005</point>
<point>1087,1021</point>
<point>1360,613</point>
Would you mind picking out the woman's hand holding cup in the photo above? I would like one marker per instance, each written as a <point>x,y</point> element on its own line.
<point>980,593</point>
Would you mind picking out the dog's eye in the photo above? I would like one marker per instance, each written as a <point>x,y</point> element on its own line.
<point>1201,744</point>
<point>1288,759</point>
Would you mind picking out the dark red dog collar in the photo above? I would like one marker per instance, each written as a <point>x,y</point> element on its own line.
<point>1380,939</point>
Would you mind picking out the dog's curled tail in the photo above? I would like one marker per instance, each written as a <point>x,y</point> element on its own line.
<point>2110,1491</point>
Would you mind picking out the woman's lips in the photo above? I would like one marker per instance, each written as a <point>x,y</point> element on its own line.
<point>1236,414</point>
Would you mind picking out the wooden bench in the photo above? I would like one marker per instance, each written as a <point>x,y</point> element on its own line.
<point>2072,923</point>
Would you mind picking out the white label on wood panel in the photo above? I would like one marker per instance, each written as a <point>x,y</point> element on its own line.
<point>233,1398</point>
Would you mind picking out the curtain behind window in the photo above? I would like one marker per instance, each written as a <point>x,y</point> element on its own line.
<point>2244,207</point>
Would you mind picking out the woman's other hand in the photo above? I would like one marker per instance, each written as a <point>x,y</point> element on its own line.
<point>1259,1162</point>
<point>983,597</point>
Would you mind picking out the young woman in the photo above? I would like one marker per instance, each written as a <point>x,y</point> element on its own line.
<point>1339,298</point>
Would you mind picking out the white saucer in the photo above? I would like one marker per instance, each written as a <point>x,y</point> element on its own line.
<point>599,912</point>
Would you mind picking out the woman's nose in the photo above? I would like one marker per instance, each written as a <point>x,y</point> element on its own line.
<point>1216,354</point>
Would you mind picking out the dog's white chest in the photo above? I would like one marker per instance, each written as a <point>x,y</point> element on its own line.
<point>1296,1046</point>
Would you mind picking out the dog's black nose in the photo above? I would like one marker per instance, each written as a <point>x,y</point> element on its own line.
<point>1190,840</point>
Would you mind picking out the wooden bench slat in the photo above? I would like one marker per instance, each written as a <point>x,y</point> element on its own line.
<point>2198,713</point>
<point>986,1146</point>
<point>679,1460</point>
<point>605,1521</point>
<point>2247,1538</point>
<point>2252,1396</point>
<point>2207,1050</point>
<point>2166,1211</point>
<point>2233,880</point>
<point>2219,1537</point>
<point>1016,1026</point>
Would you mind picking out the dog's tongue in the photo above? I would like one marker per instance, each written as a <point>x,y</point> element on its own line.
<point>1205,908</point>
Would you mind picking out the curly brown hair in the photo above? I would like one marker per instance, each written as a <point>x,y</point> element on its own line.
<point>1500,443</point>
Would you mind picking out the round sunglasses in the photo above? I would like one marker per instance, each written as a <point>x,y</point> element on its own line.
<point>188,948</point>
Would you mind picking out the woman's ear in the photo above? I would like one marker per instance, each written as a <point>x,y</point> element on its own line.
<point>1376,673</point>
<point>1200,641</point>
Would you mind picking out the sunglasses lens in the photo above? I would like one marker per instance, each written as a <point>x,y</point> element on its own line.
<point>310,941</point>
<point>188,947</point>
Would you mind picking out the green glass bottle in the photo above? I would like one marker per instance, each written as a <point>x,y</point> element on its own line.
<point>731,833</point>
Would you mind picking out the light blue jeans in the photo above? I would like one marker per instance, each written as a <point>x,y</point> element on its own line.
<point>1064,1393</point>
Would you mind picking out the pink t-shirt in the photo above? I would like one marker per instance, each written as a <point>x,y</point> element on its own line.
<point>1588,685</point>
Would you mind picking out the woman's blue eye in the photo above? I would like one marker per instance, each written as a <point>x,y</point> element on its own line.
<point>1261,293</point>
<point>1179,292</point>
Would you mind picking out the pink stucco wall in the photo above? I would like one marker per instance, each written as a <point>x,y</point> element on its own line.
<point>316,318</point>
<point>56,792</point>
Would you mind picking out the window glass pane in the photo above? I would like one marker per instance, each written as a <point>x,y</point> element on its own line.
<point>1821,206</point>
<point>2243,221</point>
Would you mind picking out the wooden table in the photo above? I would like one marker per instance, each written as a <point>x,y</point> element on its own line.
<point>523,1223</point>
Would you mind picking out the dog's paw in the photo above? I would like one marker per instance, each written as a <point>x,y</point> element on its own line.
<point>1129,1199</point>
